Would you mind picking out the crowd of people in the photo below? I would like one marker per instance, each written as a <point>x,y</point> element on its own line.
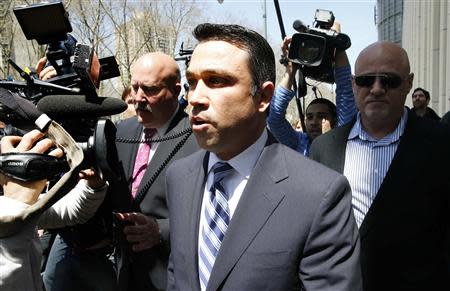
<point>231,197</point>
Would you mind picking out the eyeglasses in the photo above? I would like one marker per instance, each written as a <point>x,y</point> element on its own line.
<point>387,80</point>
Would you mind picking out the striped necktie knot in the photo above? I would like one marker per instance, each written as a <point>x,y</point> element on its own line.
<point>220,170</point>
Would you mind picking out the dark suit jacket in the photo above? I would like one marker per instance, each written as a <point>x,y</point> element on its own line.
<point>147,270</point>
<point>403,236</point>
<point>293,226</point>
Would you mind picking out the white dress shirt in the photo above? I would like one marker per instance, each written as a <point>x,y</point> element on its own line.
<point>160,132</point>
<point>367,161</point>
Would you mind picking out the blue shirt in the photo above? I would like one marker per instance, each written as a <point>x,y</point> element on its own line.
<point>367,161</point>
<point>299,141</point>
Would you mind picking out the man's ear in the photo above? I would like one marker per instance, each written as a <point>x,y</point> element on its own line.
<point>409,81</point>
<point>266,89</point>
<point>177,89</point>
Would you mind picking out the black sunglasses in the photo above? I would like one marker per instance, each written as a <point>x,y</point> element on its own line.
<point>387,80</point>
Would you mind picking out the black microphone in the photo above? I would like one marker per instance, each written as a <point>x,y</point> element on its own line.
<point>78,106</point>
<point>299,26</point>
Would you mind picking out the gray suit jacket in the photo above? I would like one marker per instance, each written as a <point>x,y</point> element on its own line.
<point>293,227</point>
<point>147,270</point>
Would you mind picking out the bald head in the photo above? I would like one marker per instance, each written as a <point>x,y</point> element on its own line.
<point>161,65</point>
<point>155,84</point>
<point>380,54</point>
<point>381,83</point>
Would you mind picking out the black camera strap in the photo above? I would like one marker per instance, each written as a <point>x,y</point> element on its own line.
<point>143,192</point>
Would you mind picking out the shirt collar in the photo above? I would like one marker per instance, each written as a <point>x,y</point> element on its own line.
<point>357,131</point>
<point>244,162</point>
<point>161,131</point>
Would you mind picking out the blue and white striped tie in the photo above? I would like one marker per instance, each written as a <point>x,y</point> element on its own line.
<point>216,217</point>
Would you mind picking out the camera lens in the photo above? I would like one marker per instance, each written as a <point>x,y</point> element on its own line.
<point>309,51</point>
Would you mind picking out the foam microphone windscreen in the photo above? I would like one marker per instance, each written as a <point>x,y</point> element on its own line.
<point>78,106</point>
<point>299,26</point>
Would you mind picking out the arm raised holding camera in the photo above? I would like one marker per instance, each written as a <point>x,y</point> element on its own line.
<point>20,255</point>
<point>346,109</point>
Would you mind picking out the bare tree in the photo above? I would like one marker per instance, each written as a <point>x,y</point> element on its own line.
<point>126,29</point>
<point>146,26</point>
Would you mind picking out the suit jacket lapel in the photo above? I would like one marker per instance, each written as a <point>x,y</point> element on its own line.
<point>196,184</point>
<point>340,137</point>
<point>258,201</point>
<point>136,134</point>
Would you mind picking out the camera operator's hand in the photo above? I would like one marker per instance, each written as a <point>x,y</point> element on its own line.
<point>93,180</point>
<point>326,125</point>
<point>144,234</point>
<point>341,59</point>
<point>32,142</point>
<point>45,73</point>
<point>291,68</point>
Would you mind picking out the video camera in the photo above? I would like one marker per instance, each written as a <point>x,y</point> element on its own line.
<point>70,98</point>
<point>77,65</point>
<point>314,48</point>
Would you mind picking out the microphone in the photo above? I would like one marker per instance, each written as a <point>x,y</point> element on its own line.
<point>79,106</point>
<point>299,26</point>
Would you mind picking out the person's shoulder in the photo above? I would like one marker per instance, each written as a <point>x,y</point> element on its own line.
<point>446,119</point>
<point>178,122</point>
<point>333,136</point>
<point>430,133</point>
<point>432,114</point>
<point>187,163</point>
<point>427,126</point>
<point>306,169</point>
<point>128,128</point>
<point>307,180</point>
<point>181,116</point>
<point>127,123</point>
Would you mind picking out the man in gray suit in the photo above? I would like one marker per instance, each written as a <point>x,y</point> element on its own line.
<point>247,213</point>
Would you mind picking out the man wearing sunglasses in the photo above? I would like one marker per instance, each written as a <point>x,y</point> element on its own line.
<point>400,199</point>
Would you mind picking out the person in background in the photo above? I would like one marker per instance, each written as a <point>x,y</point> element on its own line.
<point>141,203</point>
<point>446,119</point>
<point>396,164</point>
<point>421,99</point>
<point>127,98</point>
<point>319,112</point>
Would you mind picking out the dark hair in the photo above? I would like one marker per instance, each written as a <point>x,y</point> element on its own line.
<point>329,104</point>
<point>262,59</point>
<point>425,92</point>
